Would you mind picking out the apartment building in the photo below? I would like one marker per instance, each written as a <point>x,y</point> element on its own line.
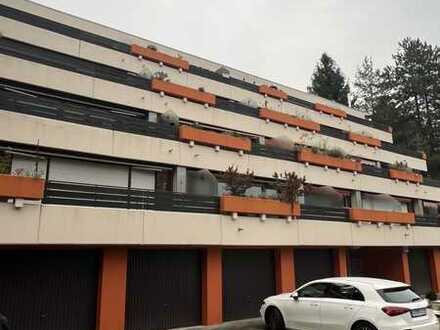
<point>113,212</point>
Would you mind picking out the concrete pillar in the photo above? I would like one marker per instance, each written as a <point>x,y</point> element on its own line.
<point>112,289</point>
<point>212,287</point>
<point>356,199</point>
<point>418,207</point>
<point>340,262</point>
<point>434,265</point>
<point>179,180</point>
<point>284,270</point>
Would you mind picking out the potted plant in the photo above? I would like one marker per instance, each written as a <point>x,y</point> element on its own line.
<point>288,187</point>
<point>333,158</point>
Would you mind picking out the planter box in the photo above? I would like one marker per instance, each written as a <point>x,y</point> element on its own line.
<point>329,110</point>
<point>382,216</point>
<point>156,56</point>
<point>187,133</point>
<point>182,91</point>
<point>271,91</point>
<point>12,186</point>
<point>405,176</point>
<point>364,139</point>
<point>308,156</point>
<point>284,118</point>
<point>250,205</point>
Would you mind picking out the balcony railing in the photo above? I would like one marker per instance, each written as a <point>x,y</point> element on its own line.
<point>69,193</point>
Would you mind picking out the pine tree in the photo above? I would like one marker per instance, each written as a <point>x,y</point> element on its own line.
<point>328,81</point>
<point>367,87</point>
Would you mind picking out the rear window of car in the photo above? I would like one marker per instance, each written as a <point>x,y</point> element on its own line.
<point>399,295</point>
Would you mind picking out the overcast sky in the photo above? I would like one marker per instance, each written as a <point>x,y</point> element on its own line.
<point>279,40</point>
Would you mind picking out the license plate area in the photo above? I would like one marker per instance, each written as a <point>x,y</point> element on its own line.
<point>418,312</point>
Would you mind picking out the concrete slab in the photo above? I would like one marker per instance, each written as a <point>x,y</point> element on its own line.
<point>248,324</point>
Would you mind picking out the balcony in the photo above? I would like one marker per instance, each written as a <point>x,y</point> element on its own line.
<point>308,156</point>
<point>286,119</point>
<point>272,91</point>
<point>405,176</point>
<point>359,138</point>
<point>13,186</point>
<point>187,133</point>
<point>330,111</point>
<point>382,216</point>
<point>159,57</point>
<point>67,193</point>
<point>183,92</point>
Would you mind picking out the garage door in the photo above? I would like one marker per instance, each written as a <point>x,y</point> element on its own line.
<point>163,289</point>
<point>45,290</point>
<point>312,264</point>
<point>419,271</point>
<point>248,278</point>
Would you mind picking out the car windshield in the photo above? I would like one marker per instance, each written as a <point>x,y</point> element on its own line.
<point>399,295</point>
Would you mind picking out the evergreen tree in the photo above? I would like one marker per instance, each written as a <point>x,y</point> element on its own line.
<point>367,85</point>
<point>328,81</point>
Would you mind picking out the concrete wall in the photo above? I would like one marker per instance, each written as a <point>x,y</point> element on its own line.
<point>50,224</point>
<point>51,133</point>
<point>37,74</point>
<point>129,39</point>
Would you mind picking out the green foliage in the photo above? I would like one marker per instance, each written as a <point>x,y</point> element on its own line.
<point>5,163</point>
<point>237,183</point>
<point>406,96</point>
<point>289,186</point>
<point>328,81</point>
<point>402,166</point>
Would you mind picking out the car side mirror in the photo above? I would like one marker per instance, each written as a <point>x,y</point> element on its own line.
<point>294,296</point>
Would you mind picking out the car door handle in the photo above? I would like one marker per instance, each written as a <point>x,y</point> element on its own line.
<point>314,305</point>
<point>348,308</point>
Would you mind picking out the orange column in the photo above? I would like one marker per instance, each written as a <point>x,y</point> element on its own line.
<point>434,263</point>
<point>112,287</point>
<point>406,277</point>
<point>340,262</point>
<point>212,287</point>
<point>285,270</point>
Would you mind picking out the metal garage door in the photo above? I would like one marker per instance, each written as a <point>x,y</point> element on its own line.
<point>419,271</point>
<point>312,264</point>
<point>248,278</point>
<point>163,289</point>
<point>45,290</point>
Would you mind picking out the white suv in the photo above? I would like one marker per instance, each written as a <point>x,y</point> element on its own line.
<point>349,303</point>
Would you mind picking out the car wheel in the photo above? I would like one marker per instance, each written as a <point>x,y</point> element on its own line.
<point>364,326</point>
<point>274,320</point>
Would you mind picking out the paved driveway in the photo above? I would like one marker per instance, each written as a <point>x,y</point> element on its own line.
<point>252,324</point>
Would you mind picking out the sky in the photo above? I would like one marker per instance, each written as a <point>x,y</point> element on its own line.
<point>280,40</point>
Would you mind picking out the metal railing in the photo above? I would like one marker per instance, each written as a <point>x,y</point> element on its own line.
<point>68,193</point>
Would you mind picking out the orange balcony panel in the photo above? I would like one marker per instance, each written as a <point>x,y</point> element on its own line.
<point>382,216</point>
<point>308,156</point>
<point>272,91</point>
<point>156,56</point>
<point>182,91</point>
<point>405,176</point>
<point>21,187</point>
<point>329,110</point>
<point>284,118</point>
<point>250,205</point>
<point>364,139</point>
<point>187,133</point>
